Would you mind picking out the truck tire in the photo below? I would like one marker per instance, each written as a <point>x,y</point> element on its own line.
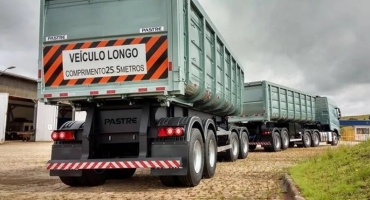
<point>232,154</point>
<point>195,160</point>
<point>70,181</point>
<point>334,141</point>
<point>306,139</point>
<point>121,173</point>
<point>91,177</point>
<point>210,155</point>
<point>244,145</point>
<point>315,139</point>
<point>284,139</point>
<point>276,142</point>
<point>170,181</point>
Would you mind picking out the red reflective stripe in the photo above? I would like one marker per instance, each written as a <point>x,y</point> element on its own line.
<point>143,89</point>
<point>94,92</point>
<point>114,165</point>
<point>160,88</point>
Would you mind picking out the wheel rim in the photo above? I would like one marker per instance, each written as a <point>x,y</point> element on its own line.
<point>197,155</point>
<point>307,139</point>
<point>245,146</point>
<point>316,138</point>
<point>277,142</point>
<point>335,137</point>
<point>235,146</point>
<point>212,153</point>
<point>286,139</point>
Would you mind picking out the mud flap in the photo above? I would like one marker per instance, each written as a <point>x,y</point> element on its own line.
<point>171,149</point>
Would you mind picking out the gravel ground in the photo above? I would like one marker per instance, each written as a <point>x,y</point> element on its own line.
<point>23,175</point>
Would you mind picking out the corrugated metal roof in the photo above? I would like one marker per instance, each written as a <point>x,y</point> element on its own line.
<point>354,122</point>
<point>18,76</point>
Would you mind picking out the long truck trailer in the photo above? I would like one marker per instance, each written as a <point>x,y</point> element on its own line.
<point>278,117</point>
<point>157,82</point>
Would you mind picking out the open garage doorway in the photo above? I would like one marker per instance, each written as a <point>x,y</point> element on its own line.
<point>20,119</point>
<point>18,96</point>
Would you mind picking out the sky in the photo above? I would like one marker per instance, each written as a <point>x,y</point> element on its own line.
<point>319,46</point>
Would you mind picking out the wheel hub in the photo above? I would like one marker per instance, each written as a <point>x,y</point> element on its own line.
<point>235,146</point>
<point>316,139</point>
<point>286,139</point>
<point>307,139</point>
<point>197,156</point>
<point>245,147</point>
<point>277,142</point>
<point>334,137</point>
<point>212,153</point>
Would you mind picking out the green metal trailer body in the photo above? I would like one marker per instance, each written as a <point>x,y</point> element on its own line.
<point>157,82</point>
<point>165,49</point>
<point>278,117</point>
<point>266,101</point>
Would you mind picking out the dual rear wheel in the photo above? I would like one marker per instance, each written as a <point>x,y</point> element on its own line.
<point>195,163</point>
<point>280,141</point>
<point>239,147</point>
<point>315,139</point>
<point>203,157</point>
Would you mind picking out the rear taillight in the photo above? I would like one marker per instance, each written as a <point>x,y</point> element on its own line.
<point>170,131</point>
<point>179,131</point>
<point>62,135</point>
<point>55,136</point>
<point>266,132</point>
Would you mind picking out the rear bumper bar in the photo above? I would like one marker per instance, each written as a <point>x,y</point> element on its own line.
<point>259,143</point>
<point>156,163</point>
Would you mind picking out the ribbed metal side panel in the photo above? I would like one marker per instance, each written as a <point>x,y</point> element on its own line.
<point>214,77</point>
<point>266,101</point>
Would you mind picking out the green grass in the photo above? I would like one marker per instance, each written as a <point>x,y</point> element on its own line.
<point>342,173</point>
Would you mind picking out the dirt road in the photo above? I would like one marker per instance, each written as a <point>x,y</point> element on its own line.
<point>23,176</point>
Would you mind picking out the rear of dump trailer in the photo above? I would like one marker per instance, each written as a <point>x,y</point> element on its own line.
<point>278,117</point>
<point>156,80</point>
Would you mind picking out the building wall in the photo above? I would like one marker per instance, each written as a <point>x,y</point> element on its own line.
<point>18,87</point>
<point>362,133</point>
